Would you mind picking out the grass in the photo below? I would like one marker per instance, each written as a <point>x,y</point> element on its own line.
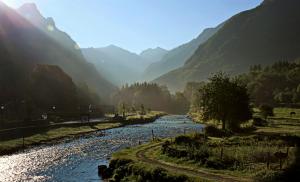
<point>131,154</point>
<point>248,152</point>
<point>149,115</point>
<point>285,113</point>
<point>282,123</point>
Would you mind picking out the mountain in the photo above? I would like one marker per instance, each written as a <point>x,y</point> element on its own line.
<point>176,57</point>
<point>43,43</point>
<point>263,35</point>
<point>117,64</point>
<point>31,13</point>
<point>50,86</point>
<point>23,46</point>
<point>153,55</point>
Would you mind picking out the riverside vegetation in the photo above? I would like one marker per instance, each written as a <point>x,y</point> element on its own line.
<point>263,147</point>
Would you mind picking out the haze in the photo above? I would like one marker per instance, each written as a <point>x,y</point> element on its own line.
<point>137,24</point>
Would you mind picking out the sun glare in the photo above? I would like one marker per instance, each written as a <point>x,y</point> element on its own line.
<point>11,3</point>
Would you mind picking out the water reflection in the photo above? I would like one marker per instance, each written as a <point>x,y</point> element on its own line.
<point>77,160</point>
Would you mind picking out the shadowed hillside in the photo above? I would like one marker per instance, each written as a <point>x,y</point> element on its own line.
<point>263,35</point>
<point>41,42</point>
<point>176,57</point>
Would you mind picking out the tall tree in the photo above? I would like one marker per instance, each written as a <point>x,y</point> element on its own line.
<point>225,100</point>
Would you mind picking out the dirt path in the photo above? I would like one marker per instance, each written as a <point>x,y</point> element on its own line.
<point>194,173</point>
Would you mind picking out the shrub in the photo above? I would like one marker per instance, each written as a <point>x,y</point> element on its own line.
<point>215,132</point>
<point>182,139</point>
<point>165,146</point>
<point>214,163</point>
<point>259,122</point>
<point>266,110</point>
<point>116,163</point>
<point>159,174</point>
<point>132,172</point>
<point>198,136</point>
<point>266,176</point>
<point>200,154</point>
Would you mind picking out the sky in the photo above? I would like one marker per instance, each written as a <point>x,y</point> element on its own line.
<point>137,25</point>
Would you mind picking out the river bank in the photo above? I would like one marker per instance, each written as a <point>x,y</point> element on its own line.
<point>59,134</point>
<point>77,159</point>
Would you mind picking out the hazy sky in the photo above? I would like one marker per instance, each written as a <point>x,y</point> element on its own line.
<point>137,24</point>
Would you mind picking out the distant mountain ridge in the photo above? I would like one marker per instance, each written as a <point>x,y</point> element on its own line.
<point>263,35</point>
<point>176,57</point>
<point>121,66</point>
<point>153,55</point>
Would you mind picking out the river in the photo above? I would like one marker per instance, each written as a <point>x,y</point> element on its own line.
<point>77,159</point>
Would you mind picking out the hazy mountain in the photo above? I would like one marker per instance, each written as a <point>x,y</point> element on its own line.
<point>33,15</point>
<point>23,46</point>
<point>153,55</point>
<point>263,35</point>
<point>176,57</point>
<point>117,64</point>
<point>44,43</point>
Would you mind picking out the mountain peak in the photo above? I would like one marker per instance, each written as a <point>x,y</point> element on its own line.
<point>112,46</point>
<point>153,54</point>
<point>153,50</point>
<point>31,13</point>
<point>29,8</point>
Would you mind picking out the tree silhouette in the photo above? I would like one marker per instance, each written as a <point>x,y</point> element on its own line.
<point>225,100</point>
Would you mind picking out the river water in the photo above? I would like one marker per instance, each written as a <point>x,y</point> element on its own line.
<point>77,159</point>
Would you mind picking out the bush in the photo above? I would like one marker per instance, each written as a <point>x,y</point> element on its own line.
<point>216,132</point>
<point>198,136</point>
<point>214,163</point>
<point>116,163</point>
<point>159,174</point>
<point>259,122</point>
<point>266,110</point>
<point>179,140</point>
<point>165,146</point>
<point>132,172</point>
<point>266,176</point>
<point>200,154</point>
<point>173,152</point>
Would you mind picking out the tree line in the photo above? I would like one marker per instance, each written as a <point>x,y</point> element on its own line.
<point>151,96</point>
<point>277,84</point>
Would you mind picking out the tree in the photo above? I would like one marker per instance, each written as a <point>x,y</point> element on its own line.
<point>266,110</point>
<point>225,100</point>
<point>143,109</point>
<point>122,109</point>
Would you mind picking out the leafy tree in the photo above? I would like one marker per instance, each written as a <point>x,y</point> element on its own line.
<point>143,109</point>
<point>122,109</point>
<point>266,110</point>
<point>225,100</point>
